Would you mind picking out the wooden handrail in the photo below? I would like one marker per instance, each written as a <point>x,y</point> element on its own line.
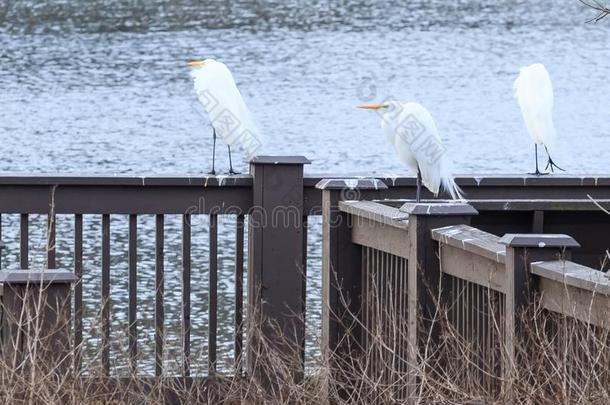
<point>574,275</point>
<point>376,212</point>
<point>574,290</point>
<point>471,240</point>
<point>378,226</point>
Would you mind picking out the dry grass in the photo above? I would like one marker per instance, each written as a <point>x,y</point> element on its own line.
<point>559,361</point>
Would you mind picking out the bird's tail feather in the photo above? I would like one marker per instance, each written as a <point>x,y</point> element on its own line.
<point>452,188</point>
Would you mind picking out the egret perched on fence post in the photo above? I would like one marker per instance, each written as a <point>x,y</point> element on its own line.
<point>228,113</point>
<point>410,128</point>
<point>534,92</point>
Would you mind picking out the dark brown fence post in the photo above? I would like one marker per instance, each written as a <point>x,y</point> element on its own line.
<point>341,270</point>
<point>521,251</point>
<point>425,274</point>
<point>37,311</point>
<point>275,264</point>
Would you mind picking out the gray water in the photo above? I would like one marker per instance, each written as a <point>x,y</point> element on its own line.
<point>102,87</point>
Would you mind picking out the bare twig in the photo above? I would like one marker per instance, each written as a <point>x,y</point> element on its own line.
<point>602,10</point>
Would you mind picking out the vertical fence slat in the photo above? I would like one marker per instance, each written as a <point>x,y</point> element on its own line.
<point>78,290</point>
<point>479,336</point>
<point>51,236</point>
<point>106,293</point>
<point>377,313</point>
<point>239,291</point>
<point>304,290</point>
<point>24,241</point>
<point>159,289</point>
<point>186,294</point>
<point>404,313</point>
<point>1,244</point>
<point>133,291</point>
<point>213,294</point>
<point>364,264</point>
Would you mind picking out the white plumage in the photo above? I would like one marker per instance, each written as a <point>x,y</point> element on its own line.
<point>410,128</point>
<point>534,93</point>
<point>228,113</point>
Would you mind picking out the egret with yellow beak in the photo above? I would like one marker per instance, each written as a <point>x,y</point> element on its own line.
<point>230,117</point>
<point>410,128</point>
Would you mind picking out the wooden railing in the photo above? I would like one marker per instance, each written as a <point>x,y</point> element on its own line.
<point>384,239</point>
<point>252,200</point>
<point>432,269</point>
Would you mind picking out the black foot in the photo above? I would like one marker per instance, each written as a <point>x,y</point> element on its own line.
<point>231,171</point>
<point>552,165</point>
<point>538,173</point>
<point>212,172</point>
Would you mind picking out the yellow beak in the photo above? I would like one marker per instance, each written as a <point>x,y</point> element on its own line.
<point>372,106</point>
<point>197,63</point>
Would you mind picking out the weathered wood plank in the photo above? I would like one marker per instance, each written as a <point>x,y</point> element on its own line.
<point>376,212</point>
<point>540,205</point>
<point>578,303</point>
<point>381,236</point>
<point>573,274</point>
<point>472,267</point>
<point>425,277</point>
<point>574,290</point>
<point>522,204</point>
<point>521,251</point>
<point>471,240</point>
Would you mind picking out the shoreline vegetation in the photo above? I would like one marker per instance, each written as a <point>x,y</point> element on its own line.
<point>559,361</point>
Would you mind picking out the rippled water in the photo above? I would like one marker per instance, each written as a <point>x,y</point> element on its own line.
<point>102,87</point>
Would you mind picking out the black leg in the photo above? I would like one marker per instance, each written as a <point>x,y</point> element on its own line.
<point>550,163</point>
<point>537,172</point>
<point>231,171</point>
<point>213,171</point>
<point>418,192</point>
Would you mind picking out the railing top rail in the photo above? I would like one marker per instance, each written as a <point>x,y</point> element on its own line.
<point>310,180</point>
<point>120,180</point>
<point>479,188</point>
<point>573,274</point>
<point>539,204</point>
<point>517,180</point>
<point>471,240</point>
<point>524,204</point>
<point>376,212</point>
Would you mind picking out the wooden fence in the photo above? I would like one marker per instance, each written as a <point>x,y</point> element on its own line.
<point>276,201</point>
<point>404,271</point>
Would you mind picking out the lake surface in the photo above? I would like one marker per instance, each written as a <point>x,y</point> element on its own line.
<point>103,87</point>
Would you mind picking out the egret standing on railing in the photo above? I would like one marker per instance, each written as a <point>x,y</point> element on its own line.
<point>230,118</point>
<point>534,92</point>
<point>410,128</point>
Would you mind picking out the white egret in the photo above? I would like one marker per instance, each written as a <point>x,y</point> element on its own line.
<point>410,128</point>
<point>534,92</point>
<point>228,113</point>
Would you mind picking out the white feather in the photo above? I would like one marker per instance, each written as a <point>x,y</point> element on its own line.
<point>228,113</point>
<point>534,93</point>
<point>412,131</point>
